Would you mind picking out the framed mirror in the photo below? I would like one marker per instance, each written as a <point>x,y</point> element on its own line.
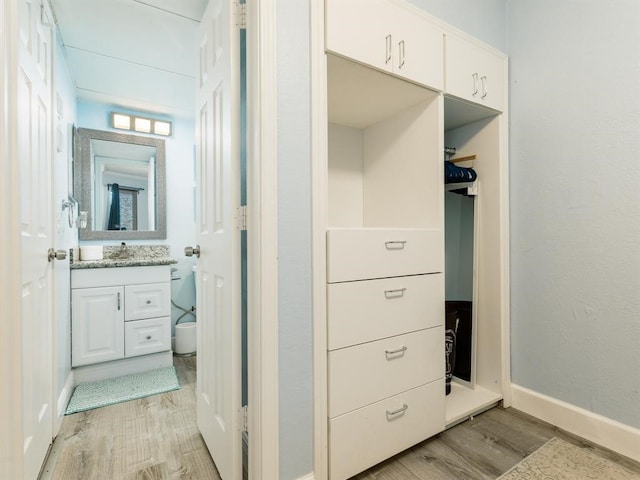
<point>120,181</point>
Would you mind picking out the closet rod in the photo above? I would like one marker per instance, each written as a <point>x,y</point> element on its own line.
<point>462,159</point>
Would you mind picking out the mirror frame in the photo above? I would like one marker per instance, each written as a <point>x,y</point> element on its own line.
<point>83,184</point>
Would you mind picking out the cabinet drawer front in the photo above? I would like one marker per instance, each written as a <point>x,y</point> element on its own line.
<point>104,277</point>
<point>147,301</point>
<point>360,254</point>
<point>369,435</point>
<point>369,310</point>
<point>147,336</point>
<point>367,373</point>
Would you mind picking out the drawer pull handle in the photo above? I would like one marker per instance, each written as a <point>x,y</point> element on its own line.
<point>396,351</point>
<point>398,292</point>
<point>148,337</point>
<point>398,411</point>
<point>395,244</point>
<point>387,57</point>
<point>148,302</point>
<point>475,84</point>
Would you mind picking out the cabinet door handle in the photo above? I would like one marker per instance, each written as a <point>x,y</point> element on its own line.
<point>148,302</point>
<point>402,409</point>
<point>389,49</point>
<point>398,292</point>
<point>395,244</point>
<point>475,84</point>
<point>401,53</point>
<point>118,300</point>
<point>148,337</point>
<point>484,86</point>
<point>396,351</point>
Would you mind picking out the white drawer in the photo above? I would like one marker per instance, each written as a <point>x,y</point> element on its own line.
<point>146,301</point>
<point>360,254</point>
<point>372,371</point>
<point>368,310</point>
<point>365,437</point>
<point>147,336</point>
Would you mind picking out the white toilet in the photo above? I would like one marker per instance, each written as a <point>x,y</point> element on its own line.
<point>186,339</point>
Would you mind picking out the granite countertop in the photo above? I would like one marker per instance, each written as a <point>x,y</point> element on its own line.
<point>138,256</point>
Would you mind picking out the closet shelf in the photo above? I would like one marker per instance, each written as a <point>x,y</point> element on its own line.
<point>462,159</point>
<point>472,187</point>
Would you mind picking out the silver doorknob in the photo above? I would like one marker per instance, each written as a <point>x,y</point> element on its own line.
<point>56,254</point>
<point>191,251</point>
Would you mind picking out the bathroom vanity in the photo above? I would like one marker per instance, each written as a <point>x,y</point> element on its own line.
<point>121,315</point>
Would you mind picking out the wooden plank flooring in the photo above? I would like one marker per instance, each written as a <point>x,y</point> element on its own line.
<point>156,438</point>
<point>482,448</point>
<point>153,438</point>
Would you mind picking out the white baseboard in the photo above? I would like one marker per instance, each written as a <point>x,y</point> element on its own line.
<point>308,476</point>
<point>63,400</point>
<point>596,428</point>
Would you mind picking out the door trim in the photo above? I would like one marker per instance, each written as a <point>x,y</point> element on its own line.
<point>262,196</point>
<point>11,404</point>
<point>319,222</point>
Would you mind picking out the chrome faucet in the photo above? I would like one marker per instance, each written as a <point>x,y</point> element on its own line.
<point>124,252</point>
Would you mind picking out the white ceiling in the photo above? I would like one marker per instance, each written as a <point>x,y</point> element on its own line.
<point>138,54</point>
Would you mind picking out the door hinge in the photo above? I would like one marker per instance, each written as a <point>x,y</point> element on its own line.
<point>241,217</point>
<point>241,15</point>
<point>244,418</point>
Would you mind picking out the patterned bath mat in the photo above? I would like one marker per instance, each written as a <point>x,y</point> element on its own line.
<point>91,395</point>
<point>560,460</point>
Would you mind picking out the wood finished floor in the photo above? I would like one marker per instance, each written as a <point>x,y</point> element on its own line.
<point>152,438</point>
<point>156,438</point>
<point>482,448</point>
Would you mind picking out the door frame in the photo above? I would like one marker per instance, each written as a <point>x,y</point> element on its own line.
<point>319,155</point>
<point>262,244</point>
<point>11,404</point>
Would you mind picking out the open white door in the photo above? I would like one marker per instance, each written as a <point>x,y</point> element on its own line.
<point>218,156</point>
<point>35,157</point>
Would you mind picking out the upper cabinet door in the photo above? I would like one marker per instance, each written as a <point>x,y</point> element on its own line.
<point>418,48</point>
<point>360,29</point>
<point>388,37</point>
<point>474,73</point>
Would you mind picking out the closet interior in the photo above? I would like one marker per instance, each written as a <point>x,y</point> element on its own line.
<point>473,258</point>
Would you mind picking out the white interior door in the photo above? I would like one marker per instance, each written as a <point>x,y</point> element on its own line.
<point>35,157</point>
<point>219,354</point>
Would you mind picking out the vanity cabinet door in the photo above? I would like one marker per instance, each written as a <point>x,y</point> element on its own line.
<point>97,325</point>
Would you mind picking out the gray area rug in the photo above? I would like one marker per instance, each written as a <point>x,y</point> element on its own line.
<point>91,395</point>
<point>560,460</point>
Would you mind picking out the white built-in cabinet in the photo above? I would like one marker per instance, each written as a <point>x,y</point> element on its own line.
<point>388,37</point>
<point>385,244</point>
<point>119,313</point>
<point>474,73</point>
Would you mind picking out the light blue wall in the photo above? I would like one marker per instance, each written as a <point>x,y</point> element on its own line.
<point>294,240</point>
<point>575,205</point>
<point>484,19</point>
<point>181,225</point>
